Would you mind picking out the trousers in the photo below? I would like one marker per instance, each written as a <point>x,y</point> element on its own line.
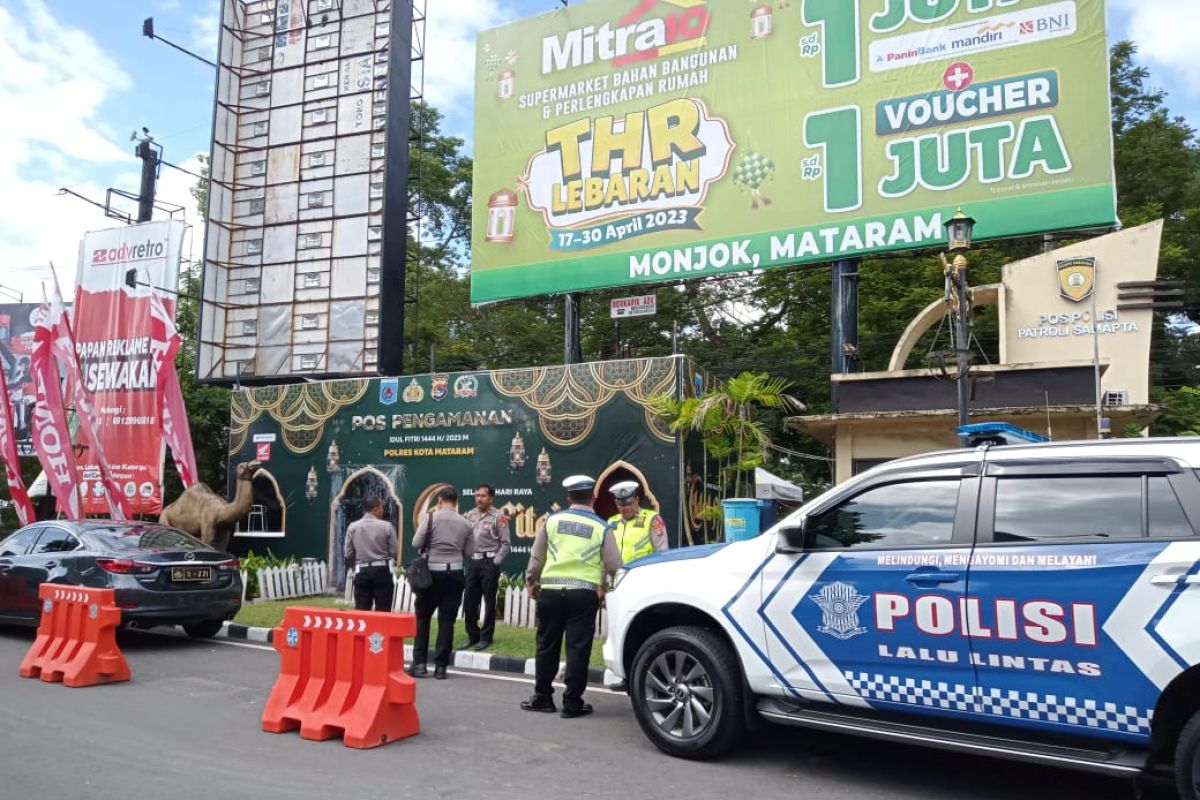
<point>373,586</point>
<point>568,614</point>
<point>483,581</point>
<point>442,598</point>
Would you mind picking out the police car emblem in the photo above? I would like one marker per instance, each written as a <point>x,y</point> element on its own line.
<point>93,610</point>
<point>47,606</point>
<point>375,640</point>
<point>839,603</point>
<point>293,637</point>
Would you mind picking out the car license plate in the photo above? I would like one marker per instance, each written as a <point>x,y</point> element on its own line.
<point>191,573</point>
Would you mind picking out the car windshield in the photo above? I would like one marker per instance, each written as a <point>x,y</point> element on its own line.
<point>145,538</point>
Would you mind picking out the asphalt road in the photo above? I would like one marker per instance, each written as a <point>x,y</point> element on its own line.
<point>187,726</point>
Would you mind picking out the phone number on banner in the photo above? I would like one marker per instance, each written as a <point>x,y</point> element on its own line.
<point>618,230</point>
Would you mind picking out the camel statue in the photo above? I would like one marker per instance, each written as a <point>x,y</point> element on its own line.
<point>205,514</point>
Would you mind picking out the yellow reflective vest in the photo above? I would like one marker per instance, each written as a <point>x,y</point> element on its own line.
<point>633,536</point>
<point>574,550</point>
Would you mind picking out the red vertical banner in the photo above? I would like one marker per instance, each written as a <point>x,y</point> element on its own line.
<point>12,465</point>
<point>51,434</point>
<point>176,433</point>
<point>115,343</point>
<point>62,347</point>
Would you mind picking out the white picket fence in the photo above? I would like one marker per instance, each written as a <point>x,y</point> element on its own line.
<point>284,583</point>
<point>520,610</point>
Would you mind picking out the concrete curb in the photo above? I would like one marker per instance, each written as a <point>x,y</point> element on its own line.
<point>461,659</point>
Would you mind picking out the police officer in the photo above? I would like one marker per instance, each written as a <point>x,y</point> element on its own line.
<point>572,554</point>
<point>483,570</point>
<point>638,531</point>
<point>370,550</point>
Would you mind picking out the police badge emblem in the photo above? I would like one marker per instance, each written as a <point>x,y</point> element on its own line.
<point>1076,278</point>
<point>93,610</point>
<point>389,391</point>
<point>466,386</point>
<point>439,386</point>
<point>375,642</point>
<point>293,637</point>
<point>839,604</point>
<point>413,393</point>
<point>47,606</point>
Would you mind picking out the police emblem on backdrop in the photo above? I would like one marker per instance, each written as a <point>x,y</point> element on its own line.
<point>413,393</point>
<point>466,386</point>
<point>839,604</point>
<point>1076,278</point>
<point>375,640</point>
<point>439,385</point>
<point>389,391</point>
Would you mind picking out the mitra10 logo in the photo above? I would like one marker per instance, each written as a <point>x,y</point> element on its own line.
<point>652,29</point>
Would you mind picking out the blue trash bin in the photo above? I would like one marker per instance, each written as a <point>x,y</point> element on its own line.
<point>766,514</point>
<point>741,519</point>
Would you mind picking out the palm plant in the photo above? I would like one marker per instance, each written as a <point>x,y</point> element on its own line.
<point>726,417</point>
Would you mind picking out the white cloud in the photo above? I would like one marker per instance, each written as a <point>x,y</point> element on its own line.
<point>1164,31</point>
<point>205,30</point>
<point>53,81</point>
<point>450,47</point>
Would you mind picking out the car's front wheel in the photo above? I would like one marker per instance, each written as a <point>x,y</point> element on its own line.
<point>685,687</point>
<point>203,630</point>
<point>1187,760</point>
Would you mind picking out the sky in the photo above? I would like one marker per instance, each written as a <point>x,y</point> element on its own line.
<point>77,77</point>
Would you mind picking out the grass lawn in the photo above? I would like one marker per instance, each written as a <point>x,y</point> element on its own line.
<point>508,641</point>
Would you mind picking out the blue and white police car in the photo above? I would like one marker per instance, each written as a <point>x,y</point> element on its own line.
<point>1035,602</point>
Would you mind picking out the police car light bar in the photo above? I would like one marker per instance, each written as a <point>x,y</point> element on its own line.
<point>997,433</point>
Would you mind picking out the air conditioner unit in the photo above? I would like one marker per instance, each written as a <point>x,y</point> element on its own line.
<point>1116,398</point>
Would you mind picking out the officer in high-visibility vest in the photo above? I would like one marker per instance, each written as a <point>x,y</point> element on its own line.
<point>573,554</point>
<point>638,531</point>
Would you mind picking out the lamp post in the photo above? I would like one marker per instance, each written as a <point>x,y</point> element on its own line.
<point>958,296</point>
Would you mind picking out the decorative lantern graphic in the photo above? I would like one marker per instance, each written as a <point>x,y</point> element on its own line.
<point>543,468</point>
<point>333,457</point>
<point>760,22</point>
<point>506,86</point>
<point>502,216</point>
<point>516,451</point>
<point>310,485</point>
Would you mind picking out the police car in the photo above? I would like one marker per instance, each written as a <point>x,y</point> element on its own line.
<point>1035,602</point>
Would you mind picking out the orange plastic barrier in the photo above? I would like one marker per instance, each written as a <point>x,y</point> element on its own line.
<point>76,642</point>
<point>342,672</point>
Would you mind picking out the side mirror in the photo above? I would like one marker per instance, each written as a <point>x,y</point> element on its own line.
<point>790,539</point>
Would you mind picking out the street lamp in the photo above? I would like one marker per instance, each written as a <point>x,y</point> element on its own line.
<point>958,297</point>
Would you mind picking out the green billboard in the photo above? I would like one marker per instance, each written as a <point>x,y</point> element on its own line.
<point>620,142</point>
<point>324,446</point>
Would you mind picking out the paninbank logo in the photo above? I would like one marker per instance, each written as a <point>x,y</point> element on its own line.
<point>145,251</point>
<point>653,29</point>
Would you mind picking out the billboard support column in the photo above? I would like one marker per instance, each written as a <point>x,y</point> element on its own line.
<point>573,347</point>
<point>843,314</point>
<point>145,151</point>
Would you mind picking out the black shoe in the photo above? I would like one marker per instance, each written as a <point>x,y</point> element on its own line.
<point>581,711</point>
<point>470,644</point>
<point>622,686</point>
<point>536,704</point>
<point>439,673</point>
<point>482,644</point>
<point>418,671</point>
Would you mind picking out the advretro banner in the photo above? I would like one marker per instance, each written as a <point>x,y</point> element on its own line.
<point>633,141</point>
<point>114,342</point>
